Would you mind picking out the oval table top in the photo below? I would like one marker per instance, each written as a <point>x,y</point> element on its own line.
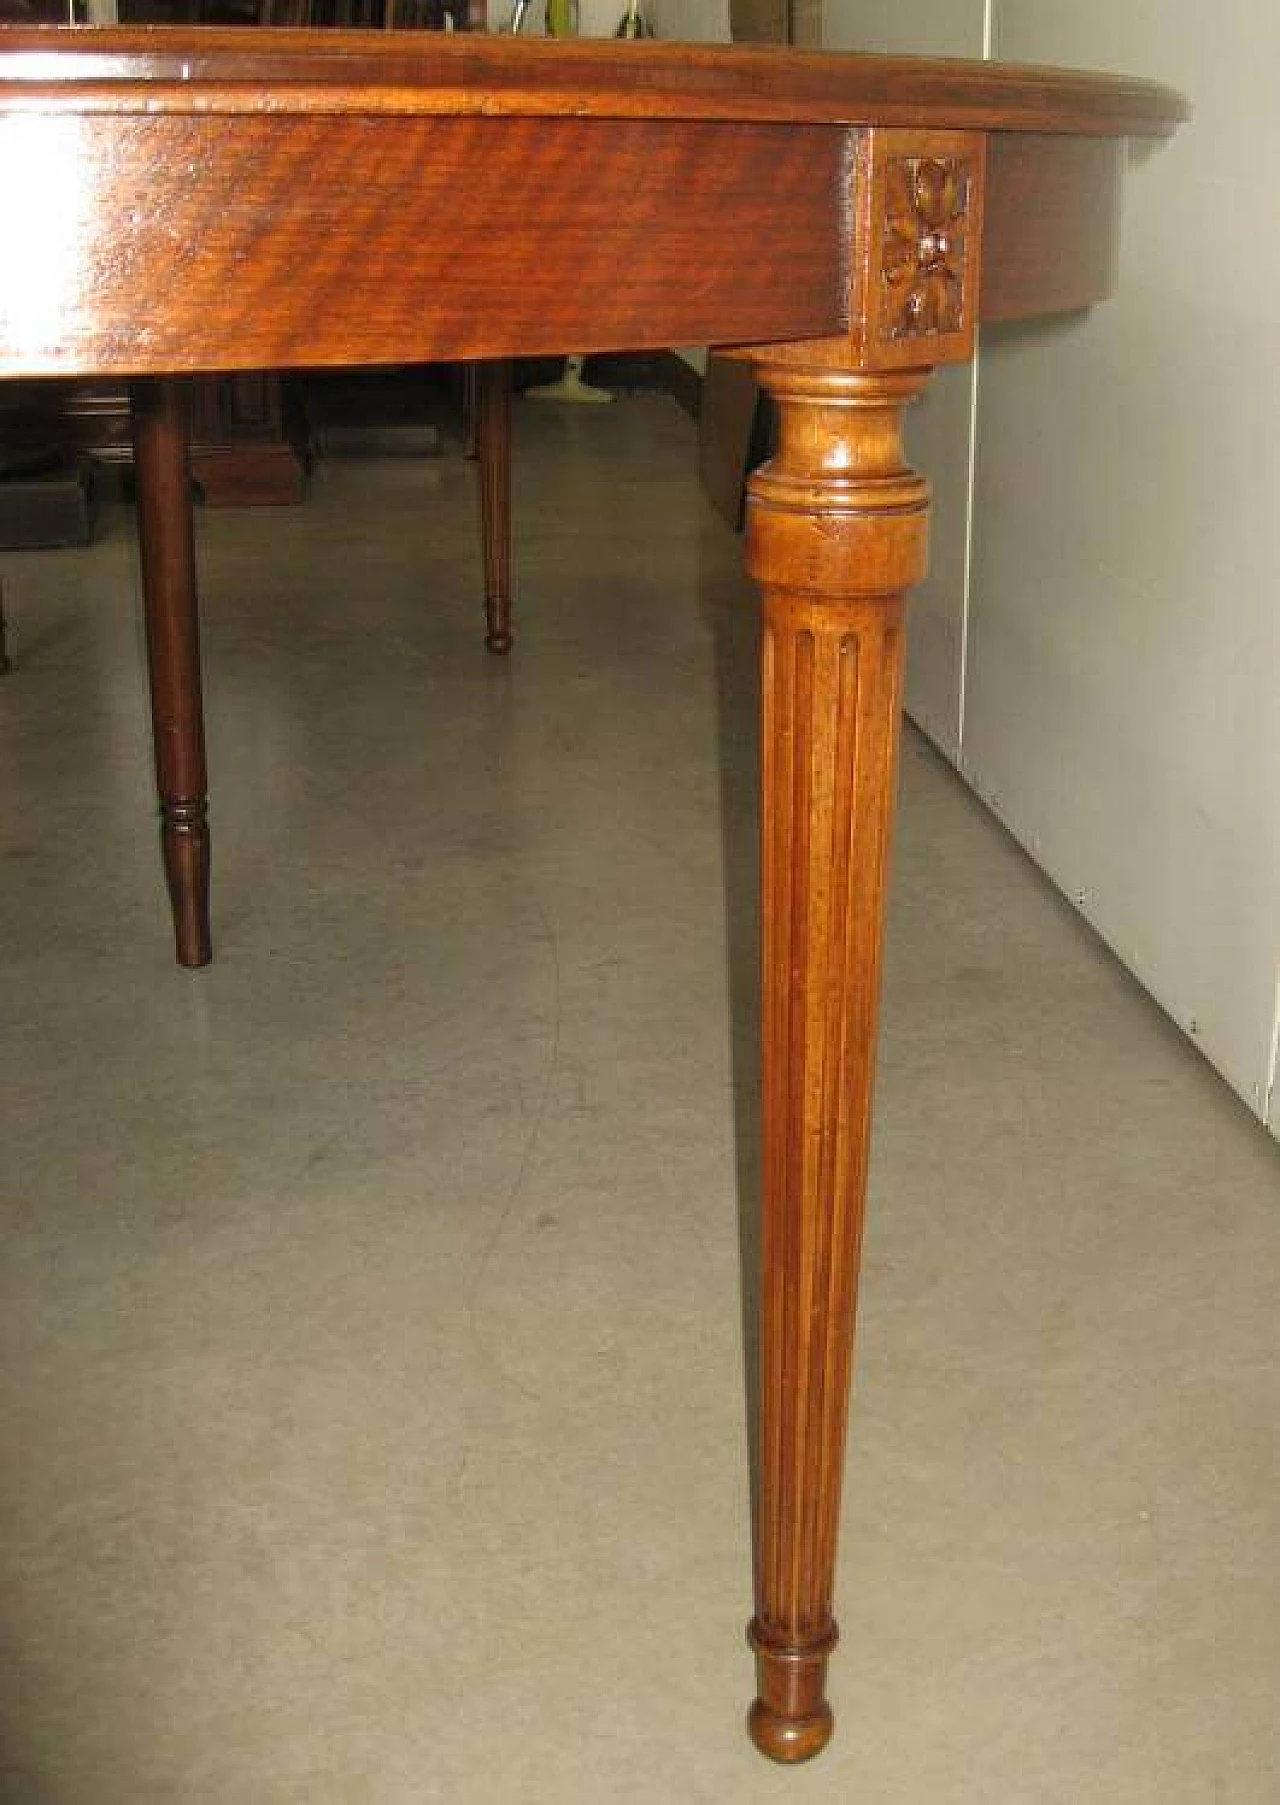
<point>254,70</point>
<point>215,199</point>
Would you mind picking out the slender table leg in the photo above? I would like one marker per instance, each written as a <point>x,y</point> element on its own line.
<point>167,539</point>
<point>493,450</point>
<point>837,531</point>
<point>4,637</point>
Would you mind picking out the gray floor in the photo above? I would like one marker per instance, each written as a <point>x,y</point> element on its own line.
<point>371,1402</point>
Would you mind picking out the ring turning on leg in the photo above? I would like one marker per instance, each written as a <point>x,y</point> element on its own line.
<point>167,542</point>
<point>837,528</point>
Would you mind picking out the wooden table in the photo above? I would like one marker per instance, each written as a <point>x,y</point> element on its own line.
<point>189,204</point>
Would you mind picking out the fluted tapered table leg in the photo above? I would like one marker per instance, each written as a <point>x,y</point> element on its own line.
<point>493,452</point>
<point>837,529</point>
<point>167,540</point>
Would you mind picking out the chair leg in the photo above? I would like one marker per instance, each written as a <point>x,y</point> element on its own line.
<point>493,450</point>
<point>166,539</point>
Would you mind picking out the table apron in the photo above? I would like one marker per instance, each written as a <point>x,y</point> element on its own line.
<point>139,244</point>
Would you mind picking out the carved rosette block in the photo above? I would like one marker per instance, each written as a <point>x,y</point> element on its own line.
<point>922,265</point>
<point>920,220</point>
<point>837,531</point>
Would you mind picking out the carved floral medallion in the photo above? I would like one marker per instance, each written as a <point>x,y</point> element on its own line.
<point>926,222</point>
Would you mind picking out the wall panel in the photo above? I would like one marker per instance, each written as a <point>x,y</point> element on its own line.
<point>1123,693</point>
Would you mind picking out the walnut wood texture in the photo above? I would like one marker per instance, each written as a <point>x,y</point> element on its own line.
<point>230,71</point>
<point>167,545</point>
<point>837,531</point>
<point>234,158</point>
<point>1053,223</point>
<point>493,456</point>
<point>858,208</point>
<point>444,247</point>
<point>1049,243</point>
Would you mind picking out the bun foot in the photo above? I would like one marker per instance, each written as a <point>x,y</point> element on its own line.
<point>789,1739</point>
<point>791,1720</point>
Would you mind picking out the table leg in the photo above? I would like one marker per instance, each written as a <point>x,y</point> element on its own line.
<point>493,450</point>
<point>837,531</point>
<point>166,537</point>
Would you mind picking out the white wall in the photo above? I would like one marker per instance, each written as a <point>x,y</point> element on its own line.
<point>1111,682</point>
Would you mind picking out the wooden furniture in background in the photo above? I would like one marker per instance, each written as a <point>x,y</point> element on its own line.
<point>776,22</point>
<point>849,219</point>
<point>241,453</point>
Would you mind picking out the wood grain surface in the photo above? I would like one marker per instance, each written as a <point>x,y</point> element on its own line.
<point>167,544</point>
<point>1052,237</point>
<point>347,240</point>
<point>837,530</point>
<point>230,200</point>
<point>250,71</point>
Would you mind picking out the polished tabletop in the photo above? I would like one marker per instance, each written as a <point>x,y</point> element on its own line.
<point>203,166</point>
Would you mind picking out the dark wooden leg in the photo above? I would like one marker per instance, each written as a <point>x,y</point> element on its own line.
<point>469,408</point>
<point>837,529</point>
<point>167,539</point>
<point>4,637</point>
<point>493,449</point>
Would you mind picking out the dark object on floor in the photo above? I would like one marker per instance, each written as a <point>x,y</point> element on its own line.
<point>246,448</point>
<point>382,413</point>
<point>45,501</point>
